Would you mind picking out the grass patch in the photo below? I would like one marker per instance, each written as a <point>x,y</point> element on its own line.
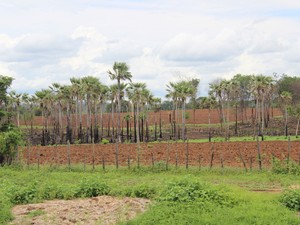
<point>180,196</point>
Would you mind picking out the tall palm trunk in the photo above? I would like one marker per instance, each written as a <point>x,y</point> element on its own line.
<point>183,121</point>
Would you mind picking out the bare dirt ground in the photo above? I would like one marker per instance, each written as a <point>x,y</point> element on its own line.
<point>98,210</point>
<point>216,154</point>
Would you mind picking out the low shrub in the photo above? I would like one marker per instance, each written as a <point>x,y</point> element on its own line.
<point>190,191</point>
<point>285,167</point>
<point>104,141</point>
<point>23,195</point>
<point>91,188</point>
<point>291,199</point>
<point>143,191</point>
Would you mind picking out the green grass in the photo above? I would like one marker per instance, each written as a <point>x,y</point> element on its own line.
<point>179,196</point>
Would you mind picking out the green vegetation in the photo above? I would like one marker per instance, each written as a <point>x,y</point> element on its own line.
<point>179,196</point>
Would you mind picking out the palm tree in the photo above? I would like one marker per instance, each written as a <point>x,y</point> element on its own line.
<point>135,93</point>
<point>89,84</point>
<point>120,72</point>
<point>286,98</point>
<point>296,113</point>
<point>173,94</point>
<point>260,86</point>
<point>195,83</point>
<point>209,103</point>
<point>184,90</point>
<point>76,84</point>
<point>15,101</point>
<point>156,104</point>
<point>44,97</point>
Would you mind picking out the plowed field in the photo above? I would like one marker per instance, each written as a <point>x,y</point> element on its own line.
<point>229,154</point>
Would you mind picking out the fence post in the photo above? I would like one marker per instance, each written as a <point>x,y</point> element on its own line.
<point>128,161</point>
<point>93,153</point>
<point>39,155</point>
<point>187,155</point>
<point>28,154</point>
<point>199,161</point>
<point>69,155</point>
<point>168,153</point>
<point>103,162</point>
<point>211,155</point>
<point>258,152</point>
<point>289,149</point>
<point>152,158</point>
<point>84,159</point>
<point>242,159</point>
<point>176,155</point>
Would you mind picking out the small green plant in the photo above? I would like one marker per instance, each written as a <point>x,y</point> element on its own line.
<point>35,213</point>
<point>23,195</point>
<point>104,141</point>
<point>91,188</point>
<point>291,199</point>
<point>143,191</point>
<point>190,191</point>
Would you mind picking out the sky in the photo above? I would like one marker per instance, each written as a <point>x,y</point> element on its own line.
<point>42,42</point>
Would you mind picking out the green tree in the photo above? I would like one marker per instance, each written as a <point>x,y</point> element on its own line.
<point>286,99</point>
<point>120,73</point>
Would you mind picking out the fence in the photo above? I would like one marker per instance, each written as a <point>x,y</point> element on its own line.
<point>218,154</point>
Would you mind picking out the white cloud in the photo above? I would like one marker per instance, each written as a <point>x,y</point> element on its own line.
<point>45,42</point>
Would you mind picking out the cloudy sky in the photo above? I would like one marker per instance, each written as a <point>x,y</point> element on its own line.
<point>42,42</point>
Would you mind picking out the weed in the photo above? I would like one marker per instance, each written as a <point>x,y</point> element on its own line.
<point>291,199</point>
<point>91,188</point>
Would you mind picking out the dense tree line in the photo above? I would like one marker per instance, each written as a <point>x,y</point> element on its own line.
<point>87,110</point>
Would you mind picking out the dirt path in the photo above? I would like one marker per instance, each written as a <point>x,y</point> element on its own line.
<point>98,210</point>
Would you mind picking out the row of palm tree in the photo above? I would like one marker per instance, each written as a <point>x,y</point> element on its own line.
<point>258,92</point>
<point>78,112</point>
<point>75,112</point>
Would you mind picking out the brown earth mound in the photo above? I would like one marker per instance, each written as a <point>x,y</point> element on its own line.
<point>98,210</point>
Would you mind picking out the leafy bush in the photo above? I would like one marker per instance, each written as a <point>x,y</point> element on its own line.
<point>23,195</point>
<point>104,141</point>
<point>91,188</point>
<point>143,191</point>
<point>291,199</point>
<point>284,167</point>
<point>9,142</point>
<point>140,191</point>
<point>190,191</point>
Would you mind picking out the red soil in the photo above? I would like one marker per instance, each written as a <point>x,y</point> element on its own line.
<point>230,153</point>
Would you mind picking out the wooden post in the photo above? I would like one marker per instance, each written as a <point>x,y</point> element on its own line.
<point>176,155</point>
<point>258,154</point>
<point>128,161</point>
<point>187,155</point>
<point>84,159</point>
<point>56,156</point>
<point>251,162</point>
<point>103,162</point>
<point>289,149</point>
<point>28,154</point>
<point>93,148</point>
<point>211,156</point>
<point>199,161</point>
<point>39,155</point>
<point>69,155</point>
<point>168,153</point>
<point>152,158</point>
<point>241,157</point>
<point>222,160</point>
